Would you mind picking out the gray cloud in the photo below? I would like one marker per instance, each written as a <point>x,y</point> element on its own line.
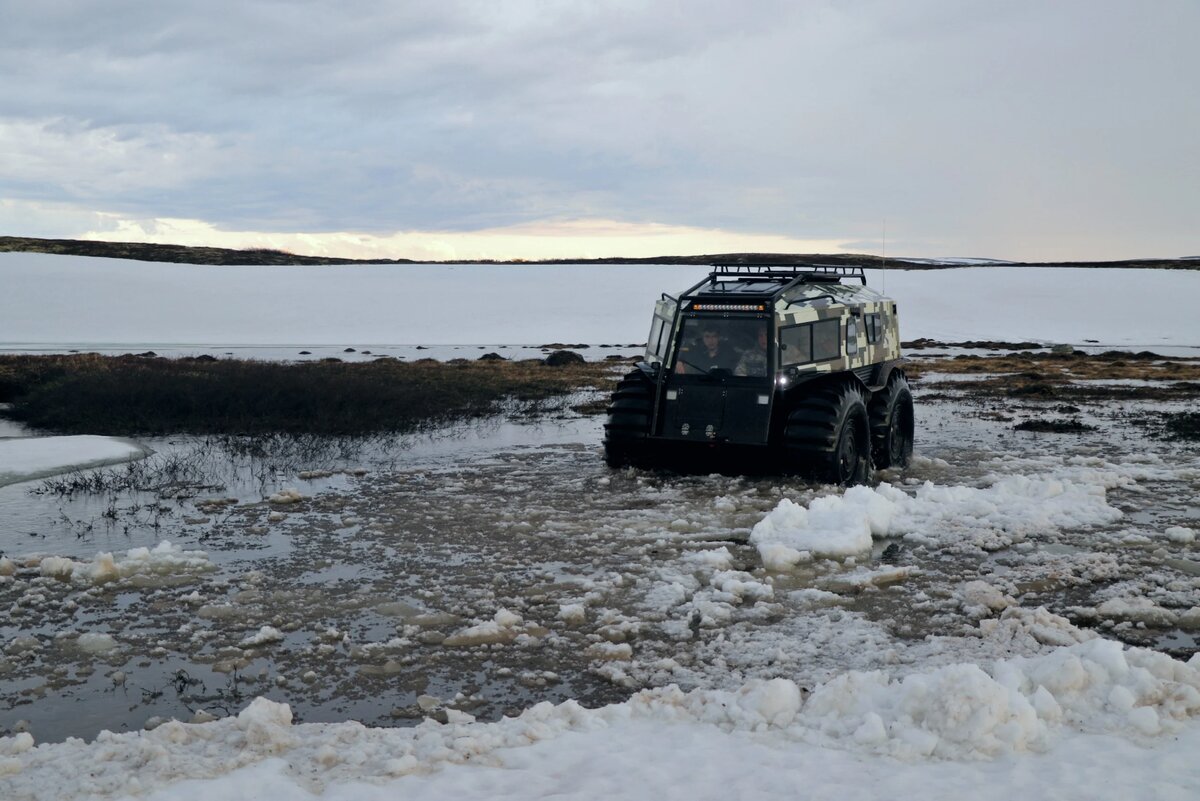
<point>1003,129</point>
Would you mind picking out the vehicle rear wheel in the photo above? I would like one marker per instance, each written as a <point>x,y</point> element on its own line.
<point>628,422</point>
<point>892,425</point>
<point>827,435</point>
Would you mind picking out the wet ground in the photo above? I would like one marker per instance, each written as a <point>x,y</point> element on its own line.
<point>501,564</point>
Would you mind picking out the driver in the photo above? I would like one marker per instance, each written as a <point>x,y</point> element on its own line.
<point>710,353</point>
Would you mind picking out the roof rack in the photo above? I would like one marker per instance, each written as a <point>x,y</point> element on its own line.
<point>814,272</point>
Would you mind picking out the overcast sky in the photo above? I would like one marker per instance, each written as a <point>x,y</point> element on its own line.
<point>1023,129</point>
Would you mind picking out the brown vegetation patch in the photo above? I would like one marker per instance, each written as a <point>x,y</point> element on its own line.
<point>1050,367</point>
<point>136,395</point>
<point>1182,425</point>
<point>1054,426</point>
<point>980,344</point>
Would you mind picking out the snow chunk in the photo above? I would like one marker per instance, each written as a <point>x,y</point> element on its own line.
<point>966,711</point>
<point>776,701</point>
<point>1033,627</point>
<point>573,614</point>
<point>1180,534</point>
<point>724,503</point>
<point>265,635</point>
<point>266,724</point>
<point>309,475</point>
<point>830,526</point>
<point>162,560</point>
<point>611,651</point>
<point>94,642</point>
<point>990,517</point>
<point>506,619</point>
<point>858,579</point>
<point>1136,610</point>
<point>286,496</point>
<point>1190,619</point>
<point>17,744</point>
<point>502,628</point>
<point>741,586</point>
<point>980,599</point>
<point>954,711</point>
<point>812,597</point>
<point>710,559</point>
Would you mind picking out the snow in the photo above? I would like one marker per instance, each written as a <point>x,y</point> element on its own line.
<point>286,496</point>
<point>28,458</point>
<point>57,302</point>
<point>1181,534</point>
<point>830,526</point>
<point>96,642</point>
<point>146,564</point>
<point>988,517</point>
<point>504,626</point>
<point>1066,715</point>
<point>264,636</point>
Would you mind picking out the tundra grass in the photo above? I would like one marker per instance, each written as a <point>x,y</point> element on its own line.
<point>131,395</point>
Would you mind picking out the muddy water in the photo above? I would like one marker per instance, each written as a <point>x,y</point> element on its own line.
<point>496,566</point>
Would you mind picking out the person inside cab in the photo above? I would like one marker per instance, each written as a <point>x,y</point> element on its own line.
<point>754,359</point>
<point>712,352</point>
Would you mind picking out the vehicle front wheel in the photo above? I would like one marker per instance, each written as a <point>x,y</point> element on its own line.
<point>628,421</point>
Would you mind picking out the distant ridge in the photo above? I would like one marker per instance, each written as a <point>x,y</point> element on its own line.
<point>182,254</point>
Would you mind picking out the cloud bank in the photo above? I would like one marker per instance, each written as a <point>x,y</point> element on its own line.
<point>1014,130</point>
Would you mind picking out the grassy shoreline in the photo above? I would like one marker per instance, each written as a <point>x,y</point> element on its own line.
<point>132,395</point>
<point>140,396</point>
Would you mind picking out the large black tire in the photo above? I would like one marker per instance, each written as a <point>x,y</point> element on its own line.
<point>827,436</point>
<point>892,425</point>
<point>628,422</point>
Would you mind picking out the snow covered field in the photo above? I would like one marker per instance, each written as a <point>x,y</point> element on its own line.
<point>992,621</point>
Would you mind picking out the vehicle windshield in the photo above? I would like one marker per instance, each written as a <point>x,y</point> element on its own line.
<point>711,345</point>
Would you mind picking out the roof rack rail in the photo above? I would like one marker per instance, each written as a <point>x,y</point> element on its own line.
<point>815,272</point>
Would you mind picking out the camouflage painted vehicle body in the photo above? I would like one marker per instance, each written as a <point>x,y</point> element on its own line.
<point>786,365</point>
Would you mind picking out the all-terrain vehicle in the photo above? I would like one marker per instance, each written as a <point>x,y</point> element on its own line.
<point>791,366</point>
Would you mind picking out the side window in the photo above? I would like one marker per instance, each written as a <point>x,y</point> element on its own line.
<point>654,351</point>
<point>851,337</point>
<point>826,342</point>
<point>796,344</point>
<point>874,328</point>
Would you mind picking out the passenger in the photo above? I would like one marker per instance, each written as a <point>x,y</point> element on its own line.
<point>754,359</point>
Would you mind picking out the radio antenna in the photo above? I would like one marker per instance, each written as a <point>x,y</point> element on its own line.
<point>883,257</point>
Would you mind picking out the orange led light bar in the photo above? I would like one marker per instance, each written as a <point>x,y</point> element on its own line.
<point>728,307</point>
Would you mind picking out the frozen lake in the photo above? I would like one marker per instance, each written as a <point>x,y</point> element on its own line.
<point>58,303</point>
